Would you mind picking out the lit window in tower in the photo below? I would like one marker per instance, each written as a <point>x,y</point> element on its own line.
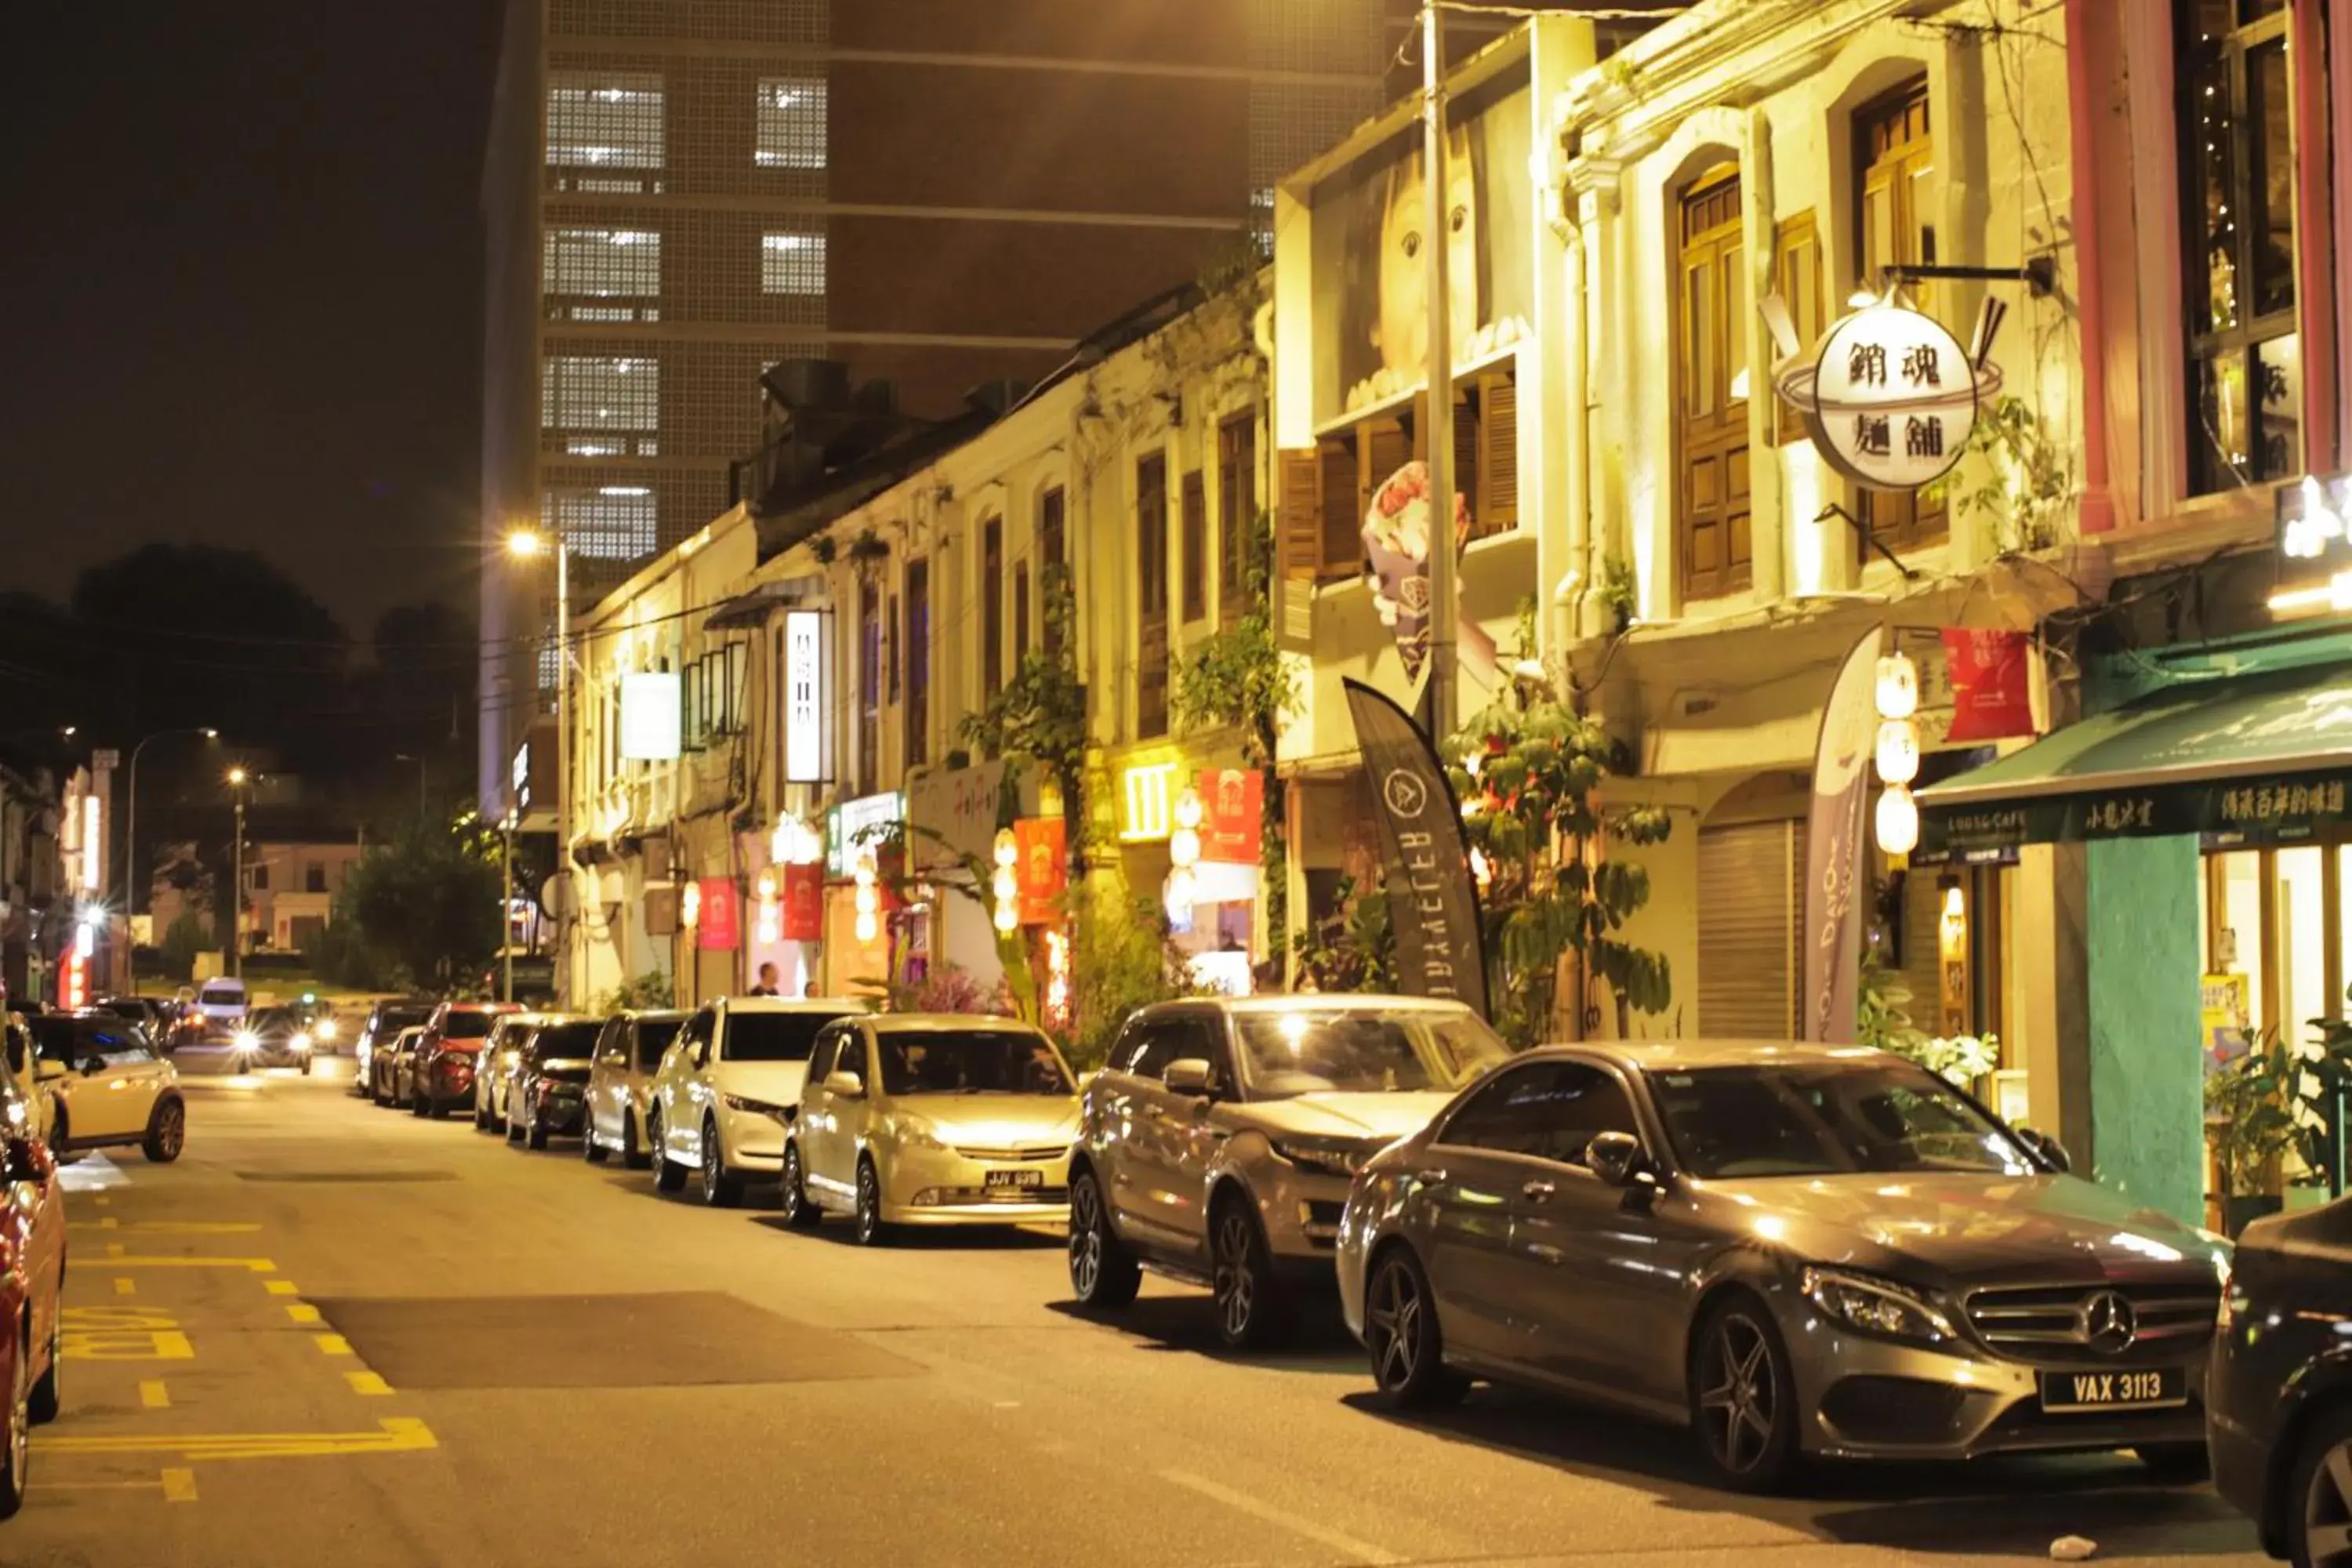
<point>791,262</point>
<point>604,120</point>
<point>791,123</point>
<point>609,522</point>
<point>595,392</point>
<point>603,263</point>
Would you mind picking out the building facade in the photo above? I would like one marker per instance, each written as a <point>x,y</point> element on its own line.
<point>680,195</point>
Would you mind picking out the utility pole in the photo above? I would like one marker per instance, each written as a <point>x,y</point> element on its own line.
<point>1437,417</point>
<point>236,879</point>
<point>506,908</point>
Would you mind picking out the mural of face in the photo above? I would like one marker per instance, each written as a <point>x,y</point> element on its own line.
<point>1401,335</point>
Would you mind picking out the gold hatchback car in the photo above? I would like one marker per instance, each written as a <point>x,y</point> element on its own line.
<point>922,1118</point>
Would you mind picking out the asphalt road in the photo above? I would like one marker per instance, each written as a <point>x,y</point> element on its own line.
<point>337,1335</point>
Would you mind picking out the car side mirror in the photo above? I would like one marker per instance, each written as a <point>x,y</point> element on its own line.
<point>1614,1157</point>
<point>2052,1152</point>
<point>1189,1075</point>
<point>845,1083</point>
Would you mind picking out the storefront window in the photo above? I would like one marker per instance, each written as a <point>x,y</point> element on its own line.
<point>2301,940</point>
<point>2233,924</point>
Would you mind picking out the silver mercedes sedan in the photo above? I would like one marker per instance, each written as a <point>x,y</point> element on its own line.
<point>1797,1250</point>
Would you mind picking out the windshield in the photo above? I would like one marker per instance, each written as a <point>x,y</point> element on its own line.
<point>466,1026</point>
<point>568,1041</point>
<point>222,995</point>
<point>654,1035</point>
<point>1824,1119</point>
<point>273,1021</point>
<point>992,1061</point>
<point>771,1036</point>
<point>1362,1050</point>
<point>392,1020</point>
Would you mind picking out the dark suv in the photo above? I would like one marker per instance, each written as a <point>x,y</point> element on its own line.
<point>443,1076</point>
<point>385,1022</point>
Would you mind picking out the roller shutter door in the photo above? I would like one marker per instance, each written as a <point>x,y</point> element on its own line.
<point>1751,911</point>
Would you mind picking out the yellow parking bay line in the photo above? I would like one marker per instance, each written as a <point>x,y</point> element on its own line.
<point>179,1486</point>
<point>255,1264</point>
<point>302,1312</point>
<point>126,1287</point>
<point>279,1287</point>
<point>154,1396</point>
<point>368,1382</point>
<point>398,1435</point>
<point>332,1344</point>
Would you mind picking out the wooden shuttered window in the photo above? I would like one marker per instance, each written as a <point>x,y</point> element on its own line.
<point>917,711</point>
<point>1237,512</point>
<point>1491,480</point>
<point>991,607</point>
<point>1298,532</point>
<point>1712,524</point>
<point>1050,526</point>
<point>1752,971</point>
<point>1797,278</point>
<point>1896,153</point>
<point>1195,551</point>
<point>1152,596</point>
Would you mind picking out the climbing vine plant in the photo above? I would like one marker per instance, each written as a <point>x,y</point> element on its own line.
<point>1236,679</point>
<point>1039,716</point>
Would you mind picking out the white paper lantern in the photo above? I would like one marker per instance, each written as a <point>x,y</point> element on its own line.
<point>1898,750</point>
<point>1898,821</point>
<point>1184,847</point>
<point>1898,687</point>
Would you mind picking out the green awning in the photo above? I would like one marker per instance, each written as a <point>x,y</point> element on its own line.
<point>2266,754</point>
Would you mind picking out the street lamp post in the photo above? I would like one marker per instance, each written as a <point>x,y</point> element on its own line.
<point>1437,417</point>
<point>130,831</point>
<point>524,544</point>
<point>506,907</point>
<point>237,777</point>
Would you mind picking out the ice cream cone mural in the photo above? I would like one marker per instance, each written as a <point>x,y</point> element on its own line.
<point>1397,532</point>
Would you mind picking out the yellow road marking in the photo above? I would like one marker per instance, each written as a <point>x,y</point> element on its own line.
<point>399,1435</point>
<point>125,1344</point>
<point>302,1312</point>
<point>179,1486</point>
<point>126,1287</point>
<point>168,1226</point>
<point>279,1287</point>
<point>367,1383</point>
<point>332,1344</point>
<point>257,1265</point>
<point>116,1317</point>
<point>103,1202</point>
<point>108,1223</point>
<point>154,1395</point>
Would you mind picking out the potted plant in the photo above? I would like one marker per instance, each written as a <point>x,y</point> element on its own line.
<point>2250,1121</point>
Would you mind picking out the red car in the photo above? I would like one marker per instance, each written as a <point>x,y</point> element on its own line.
<point>32,1285</point>
<point>443,1077</point>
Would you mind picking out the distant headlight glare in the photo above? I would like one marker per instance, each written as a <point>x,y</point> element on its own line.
<point>1876,1306</point>
<point>245,1040</point>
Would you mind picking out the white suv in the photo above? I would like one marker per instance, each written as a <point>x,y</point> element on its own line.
<point>727,1086</point>
<point>1218,1143</point>
<point>109,1086</point>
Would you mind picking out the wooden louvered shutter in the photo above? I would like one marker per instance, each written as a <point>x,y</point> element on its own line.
<point>1496,507</point>
<point>1468,419</point>
<point>1750,917</point>
<point>1300,524</point>
<point>1341,543</point>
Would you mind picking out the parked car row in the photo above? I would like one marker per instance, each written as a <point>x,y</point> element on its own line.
<point>1796,1251</point>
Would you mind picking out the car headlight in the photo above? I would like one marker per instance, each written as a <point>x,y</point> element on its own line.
<point>913,1133</point>
<point>325,1030</point>
<point>756,1106</point>
<point>301,1042</point>
<point>1876,1306</point>
<point>244,1039</point>
<point>1327,1156</point>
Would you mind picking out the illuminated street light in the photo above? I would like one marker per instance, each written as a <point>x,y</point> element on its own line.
<point>525,543</point>
<point>236,776</point>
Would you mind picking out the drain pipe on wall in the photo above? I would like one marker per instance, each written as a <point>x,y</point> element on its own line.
<point>2089,44</point>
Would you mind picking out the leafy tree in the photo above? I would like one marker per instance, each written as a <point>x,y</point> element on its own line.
<point>1039,716</point>
<point>1354,950</point>
<point>427,900</point>
<point>189,934</point>
<point>651,989</point>
<point>1530,771</point>
<point>1121,958</point>
<point>1236,679</point>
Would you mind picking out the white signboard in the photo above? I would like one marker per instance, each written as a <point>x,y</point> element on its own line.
<point>808,697</point>
<point>960,808</point>
<point>649,718</point>
<point>846,820</point>
<point>1891,399</point>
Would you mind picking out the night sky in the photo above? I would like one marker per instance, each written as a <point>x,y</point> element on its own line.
<point>243,277</point>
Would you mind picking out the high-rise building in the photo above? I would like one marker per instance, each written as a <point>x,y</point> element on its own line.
<point>939,193</point>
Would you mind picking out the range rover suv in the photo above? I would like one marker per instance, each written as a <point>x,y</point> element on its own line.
<point>1217,1144</point>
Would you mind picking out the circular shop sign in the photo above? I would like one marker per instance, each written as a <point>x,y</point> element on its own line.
<point>1891,398</point>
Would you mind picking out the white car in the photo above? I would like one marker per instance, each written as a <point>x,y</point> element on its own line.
<point>30,1106</point>
<point>110,1086</point>
<point>727,1086</point>
<point>222,1006</point>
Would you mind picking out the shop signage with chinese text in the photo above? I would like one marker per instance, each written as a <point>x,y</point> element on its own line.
<point>1891,398</point>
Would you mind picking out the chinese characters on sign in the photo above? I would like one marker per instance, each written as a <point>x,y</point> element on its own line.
<point>2262,806</point>
<point>1891,399</point>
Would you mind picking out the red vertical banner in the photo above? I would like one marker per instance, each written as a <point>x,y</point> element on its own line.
<point>1233,814</point>
<point>1043,868</point>
<point>1992,683</point>
<point>804,898</point>
<point>719,928</point>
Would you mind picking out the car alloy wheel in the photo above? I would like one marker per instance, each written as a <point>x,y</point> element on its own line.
<point>20,1428</point>
<point>632,1157</point>
<point>1240,1278</point>
<point>1102,1274</point>
<point>668,1174</point>
<point>799,1213</point>
<point>720,1190</point>
<point>167,1134</point>
<point>1744,1411</point>
<point>1401,1333</point>
<point>869,1205</point>
<point>534,1122</point>
<point>2319,1530</point>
